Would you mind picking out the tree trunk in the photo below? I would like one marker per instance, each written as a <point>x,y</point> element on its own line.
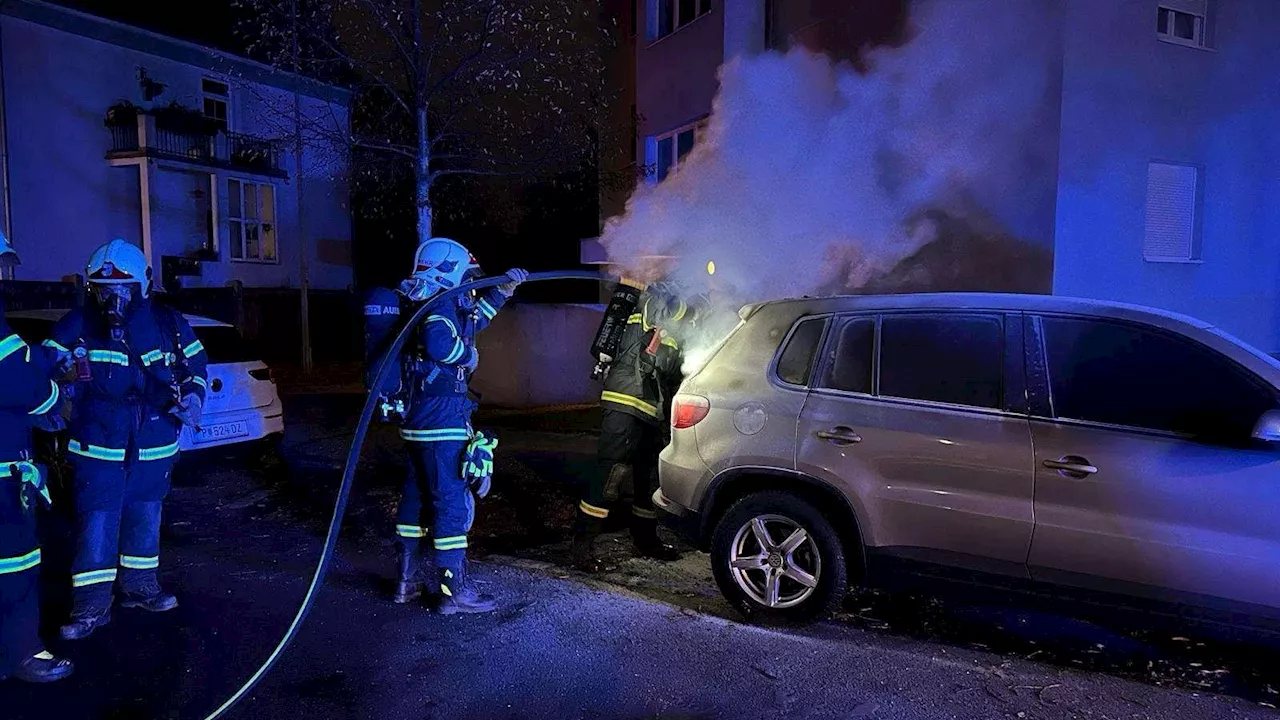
<point>422,178</point>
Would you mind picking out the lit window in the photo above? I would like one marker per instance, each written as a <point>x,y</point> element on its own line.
<point>251,221</point>
<point>1182,21</point>
<point>667,16</point>
<point>216,97</point>
<point>1173,213</point>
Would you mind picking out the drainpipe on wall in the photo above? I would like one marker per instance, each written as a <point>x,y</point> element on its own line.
<point>9,273</point>
<point>304,282</point>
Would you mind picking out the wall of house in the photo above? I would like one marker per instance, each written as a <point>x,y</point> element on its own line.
<point>676,74</point>
<point>538,356</point>
<point>68,198</point>
<point>1128,99</point>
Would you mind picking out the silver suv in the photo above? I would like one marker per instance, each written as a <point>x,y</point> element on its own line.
<point>1015,437</point>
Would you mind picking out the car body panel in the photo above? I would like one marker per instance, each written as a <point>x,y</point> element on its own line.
<point>1164,517</point>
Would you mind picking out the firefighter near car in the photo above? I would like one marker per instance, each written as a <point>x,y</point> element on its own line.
<point>642,376</point>
<point>140,377</point>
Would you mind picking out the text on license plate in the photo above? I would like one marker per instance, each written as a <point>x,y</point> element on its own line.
<point>222,431</point>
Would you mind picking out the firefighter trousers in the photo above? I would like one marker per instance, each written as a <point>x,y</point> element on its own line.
<point>437,504</point>
<point>628,451</point>
<point>19,578</point>
<point>118,508</point>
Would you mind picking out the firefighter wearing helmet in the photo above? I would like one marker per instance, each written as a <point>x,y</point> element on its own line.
<point>139,378</point>
<point>636,410</point>
<point>450,462</point>
<point>28,398</point>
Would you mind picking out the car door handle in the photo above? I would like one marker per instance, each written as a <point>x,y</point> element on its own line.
<point>839,436</point>
<point>1071,465</point>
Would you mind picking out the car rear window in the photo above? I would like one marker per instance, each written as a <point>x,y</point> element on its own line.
<point>795,365</point>
<point>955,359</point>
<point>225,344</point>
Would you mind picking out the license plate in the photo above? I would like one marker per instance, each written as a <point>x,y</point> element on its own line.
<point>220,432</point>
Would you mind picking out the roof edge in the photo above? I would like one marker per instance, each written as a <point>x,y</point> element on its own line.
<point>135,38</point>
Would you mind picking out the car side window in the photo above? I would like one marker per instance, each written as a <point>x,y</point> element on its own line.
<point>851,353</point>
<point>952,358</point>
<point>795,365</point>
<point>1121,374</point>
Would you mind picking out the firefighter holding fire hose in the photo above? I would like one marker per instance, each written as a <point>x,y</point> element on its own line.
<point>450,463</point>
<point>642,377</point>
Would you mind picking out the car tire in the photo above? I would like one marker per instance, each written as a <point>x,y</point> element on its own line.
<point>820,555</point>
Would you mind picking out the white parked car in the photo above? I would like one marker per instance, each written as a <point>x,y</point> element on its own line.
<point>242,404</point>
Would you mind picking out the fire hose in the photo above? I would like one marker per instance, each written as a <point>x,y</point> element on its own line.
<point>388,362</point>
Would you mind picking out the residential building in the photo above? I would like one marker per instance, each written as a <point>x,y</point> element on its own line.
<point>1162,190</point>
<point>114,131</point>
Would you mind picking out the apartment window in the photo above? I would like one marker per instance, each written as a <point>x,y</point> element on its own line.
<point>666,152</point>
<point>216,97</point>
<point>667,16</point>
<point>1174,199</point>
<point>1183,21</point>
<point>251,221</point>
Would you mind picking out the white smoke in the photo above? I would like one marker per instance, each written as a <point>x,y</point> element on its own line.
<point>808,174</point>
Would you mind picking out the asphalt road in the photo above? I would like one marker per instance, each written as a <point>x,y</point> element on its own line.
<point>647,641</point>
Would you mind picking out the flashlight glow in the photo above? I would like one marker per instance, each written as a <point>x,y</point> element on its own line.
<point>711,267</point>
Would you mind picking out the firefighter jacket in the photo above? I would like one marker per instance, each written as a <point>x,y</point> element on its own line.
<point>122,414</point>
<point>26,390</point>
<point>439,363</point>
<point>641,383</point>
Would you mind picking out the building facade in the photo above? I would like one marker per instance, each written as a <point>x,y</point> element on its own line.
<point>113,131</point>
<point>1165,167</point>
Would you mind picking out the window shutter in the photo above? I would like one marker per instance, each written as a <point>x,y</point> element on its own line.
<point>1171,212</point>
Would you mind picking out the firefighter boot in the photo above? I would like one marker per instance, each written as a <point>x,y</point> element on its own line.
<point>459,595</point>
<point>43,667</point>
<point>85,621</point>
<point>144,593</point>
<point>408,578</point>
<point>644,534</point>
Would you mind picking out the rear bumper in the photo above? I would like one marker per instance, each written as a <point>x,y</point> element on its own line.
<point>679,519</point>
<point>259,423</point>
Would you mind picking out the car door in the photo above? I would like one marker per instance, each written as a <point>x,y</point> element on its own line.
<point>1146,478</point>
<point>908,412</point>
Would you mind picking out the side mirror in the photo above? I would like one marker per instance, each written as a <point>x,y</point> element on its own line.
<point>1267,429</point>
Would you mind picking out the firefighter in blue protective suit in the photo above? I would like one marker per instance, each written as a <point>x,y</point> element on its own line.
<point>28,397</point>
<point>445,452</point>
<point>140,376</point>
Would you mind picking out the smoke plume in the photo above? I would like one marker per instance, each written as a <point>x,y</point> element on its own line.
<point>920,174</point>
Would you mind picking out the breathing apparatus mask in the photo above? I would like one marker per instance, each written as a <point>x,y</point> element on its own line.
<point>114,301</point>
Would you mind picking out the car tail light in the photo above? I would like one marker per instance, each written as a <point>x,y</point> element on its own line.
<point>689,410</point>
<point>263,374</point>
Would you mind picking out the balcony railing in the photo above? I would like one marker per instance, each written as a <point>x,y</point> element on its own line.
<point>217,149</point>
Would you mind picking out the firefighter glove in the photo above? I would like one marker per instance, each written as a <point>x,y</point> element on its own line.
<point>477,464</point>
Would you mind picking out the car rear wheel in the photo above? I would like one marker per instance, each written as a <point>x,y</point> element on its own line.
<point>778,559</point>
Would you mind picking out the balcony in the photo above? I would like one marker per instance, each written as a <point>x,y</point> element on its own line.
<point>157,135</point>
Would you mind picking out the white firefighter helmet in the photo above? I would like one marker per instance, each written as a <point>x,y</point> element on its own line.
<point>119,263</point>
<point>8,256</point>
<point>439,264</point>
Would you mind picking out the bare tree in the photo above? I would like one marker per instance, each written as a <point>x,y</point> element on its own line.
<point>447,88</point>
